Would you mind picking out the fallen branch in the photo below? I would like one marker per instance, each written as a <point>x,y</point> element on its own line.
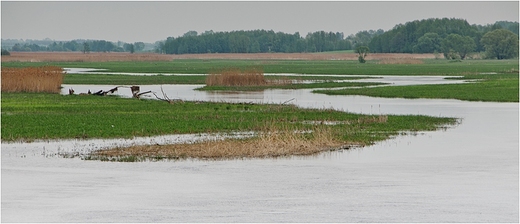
<point>138,95</point>
<point>288,101</point>
<point>135,93</point>
<point>166,98</point>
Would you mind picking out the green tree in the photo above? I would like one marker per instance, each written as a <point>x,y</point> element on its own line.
<point>72,46</point>
<point>239,43</point>
<point>86,48</point>
<point>5,52</point>
<point>428,43</point>
<point>159,47</point>
<point>404,37</point>
<point>362,51</point>
<point>129,47</point>
<point>17,47</point>
<point>139,46</point>
<point>500,44</point>
<point>255,47</point>
<point>190,33</point>
<point>461,45</point>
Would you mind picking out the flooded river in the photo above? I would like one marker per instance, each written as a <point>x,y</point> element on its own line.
<point>466,173</point>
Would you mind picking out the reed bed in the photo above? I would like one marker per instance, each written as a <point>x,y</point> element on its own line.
<point>248,77</point>
<point>46,79</point>
<point>270,142</point>
<point>401,61</point>
<point>237,77</point>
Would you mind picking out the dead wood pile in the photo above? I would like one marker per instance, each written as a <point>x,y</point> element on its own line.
<point>135,93</point>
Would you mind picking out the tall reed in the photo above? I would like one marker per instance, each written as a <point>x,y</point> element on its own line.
<point>33,79</point>
<point>237,77</point>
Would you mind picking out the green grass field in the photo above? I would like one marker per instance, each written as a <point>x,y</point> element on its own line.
<point>29,116</point>
<point>496,88</point>
<point>192,66</point>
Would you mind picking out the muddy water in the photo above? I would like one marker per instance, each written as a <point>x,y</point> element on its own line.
<point>466,173</point>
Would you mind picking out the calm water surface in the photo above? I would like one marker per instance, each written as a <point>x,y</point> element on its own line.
<point>466,173</point>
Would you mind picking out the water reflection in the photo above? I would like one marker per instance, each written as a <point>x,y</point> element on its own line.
<point>215,96</point>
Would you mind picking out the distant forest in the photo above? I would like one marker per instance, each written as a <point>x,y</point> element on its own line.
<point>406,38</point>
<point>74,45</point>
<point>424,36</point>
<point>256,41</point>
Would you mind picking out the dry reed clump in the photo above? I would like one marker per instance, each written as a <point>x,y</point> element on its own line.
<point>248,77</point>
<point>237,77</point>
<point>34,79</point>
<point>271,142</point>
<point>401,61</point>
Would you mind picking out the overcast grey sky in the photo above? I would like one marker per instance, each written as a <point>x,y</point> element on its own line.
<point>132,21</point>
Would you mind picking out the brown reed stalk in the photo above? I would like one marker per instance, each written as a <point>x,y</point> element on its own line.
<point>33,79</point>
<point>237,77</point>
<point>272,141</point>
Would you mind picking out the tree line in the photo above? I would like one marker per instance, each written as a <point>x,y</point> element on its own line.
<point>455,38</point>
<point>84,46</point>
<point>255,41</point>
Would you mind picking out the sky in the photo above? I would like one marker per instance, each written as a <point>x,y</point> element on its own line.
<point>133,21</point>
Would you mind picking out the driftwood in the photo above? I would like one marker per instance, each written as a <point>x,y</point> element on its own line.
<point>166,98</point>
<point>288,101</point>
<point>138,95</point>
<point>71,92</point>
<point>135,93</point>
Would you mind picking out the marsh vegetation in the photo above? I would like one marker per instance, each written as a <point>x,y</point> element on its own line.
<point>32,79</point>
<point>289,130</point>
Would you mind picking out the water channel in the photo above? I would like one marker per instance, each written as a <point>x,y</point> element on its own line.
<point>466,173</point>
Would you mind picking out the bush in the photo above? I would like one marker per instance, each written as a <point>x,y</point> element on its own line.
<point>5,52</point>
<point>361,59</point>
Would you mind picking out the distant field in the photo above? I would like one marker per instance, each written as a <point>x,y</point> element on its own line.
<point>104,57</point>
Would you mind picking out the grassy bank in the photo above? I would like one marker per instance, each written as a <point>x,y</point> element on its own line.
<point>29,116</point>
<point>496,88</point>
